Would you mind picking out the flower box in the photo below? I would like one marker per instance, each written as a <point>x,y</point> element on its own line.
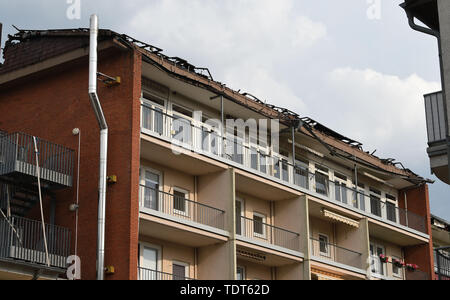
<point>398,263</point>
<point>384,258</point>
<point>412,267</point>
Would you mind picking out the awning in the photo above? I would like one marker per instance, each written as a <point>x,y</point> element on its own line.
<point>339,218</point>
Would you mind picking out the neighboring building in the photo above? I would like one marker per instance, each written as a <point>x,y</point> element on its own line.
<point>435,14</point>
<point>318,208</point>
<point>440,230</point>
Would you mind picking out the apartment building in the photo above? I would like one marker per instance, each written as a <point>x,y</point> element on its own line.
<point>440,231</point>
<point>187,199</point>
<point>433,17</point>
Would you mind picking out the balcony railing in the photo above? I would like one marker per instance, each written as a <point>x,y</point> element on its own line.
<point>381,270</point>
<point>327,251</point>
<point>265,233</point>
<point>202,139</point>
<point>17,155</point>
<point>435,115</point>
<point>23,240</point>
<point>181,208</point>
<point>147,274</point>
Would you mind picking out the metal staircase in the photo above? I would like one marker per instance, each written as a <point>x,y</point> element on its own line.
<point>21,200</point>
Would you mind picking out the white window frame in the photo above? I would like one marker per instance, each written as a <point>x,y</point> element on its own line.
<point>154,105</point>
<point>395,203</point>
<point>143,170</point>
<point>186,197</point>
<point>400,270</point>
<point>328,253</point>
<point>377,258</point>
<point>158,249</point>
<point>341,182</point>
<point>182,264</point>
<point>211,129</point>
<point>327,174</point>
<point>380,198</point>
<point>264,221</point>
<point>174,114</point>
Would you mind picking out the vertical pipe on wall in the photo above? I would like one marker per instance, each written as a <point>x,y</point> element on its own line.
<point>103,145</point>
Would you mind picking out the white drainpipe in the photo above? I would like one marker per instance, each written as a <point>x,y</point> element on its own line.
<point>103,145</point>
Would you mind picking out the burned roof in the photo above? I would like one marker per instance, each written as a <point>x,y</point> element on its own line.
<point>58,41</point>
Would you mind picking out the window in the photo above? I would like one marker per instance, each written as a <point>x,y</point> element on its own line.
<point>359,197</point>
<point>301,173</point>
<point>211,136</point>
<point>153,113</point>
<point>182,124</point>
<point>180,204</point>
<point>240,272</point>
<point>239,216</point>
<point>150,196</point>
<point>324,245</point>
<point>391,208</point>
<point>149,262</point>
<point>396,270</point>
<point>377,267</point>
<point>180,271</point>
<point>340,188</point>
<point>375,202</point>
<point>259,229</point>
<point>322,180</point>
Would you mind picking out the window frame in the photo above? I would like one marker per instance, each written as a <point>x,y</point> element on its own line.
<point>181,264</point>
<point>400,270</point>
<point>158,248</point>
<point>143,171</point>
<point>186,197</point>
<point>327,245</point>
<point>154,105</point>
<point>264,221</point>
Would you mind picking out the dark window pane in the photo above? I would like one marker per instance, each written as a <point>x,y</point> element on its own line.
<point>179,201</point>
<point>391,212</point>
<point>179,272</point>
<point>375,205</point>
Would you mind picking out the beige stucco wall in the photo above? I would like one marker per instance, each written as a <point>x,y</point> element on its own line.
<point>291,272</point>
<point>216,262</point>
<point>255,271</point>
<point>217,190</point>
<point>172,178</point>
<point>171,252</point>
<point>253,205</point>
<point>288,214</point>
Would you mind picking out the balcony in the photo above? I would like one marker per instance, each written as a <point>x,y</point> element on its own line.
<point>180,209</point>
<point>436,129</point>
<point>203,139</point>
<point>336,255</point>
<point>21,240</point>
<point>147,274</point>
<point>261,233</point>
<point>388,271</point>
<point>18,160</point>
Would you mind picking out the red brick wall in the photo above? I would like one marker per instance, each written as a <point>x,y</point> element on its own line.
<point>50,107</point>
<point>419,203</point>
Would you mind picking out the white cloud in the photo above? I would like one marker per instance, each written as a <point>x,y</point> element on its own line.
<point>241,41</point>
<point>384,112</point>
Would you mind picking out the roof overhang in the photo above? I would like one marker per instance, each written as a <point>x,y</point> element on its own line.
<point>425,11</point>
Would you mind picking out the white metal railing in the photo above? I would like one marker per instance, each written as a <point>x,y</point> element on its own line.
<point>202,139</point>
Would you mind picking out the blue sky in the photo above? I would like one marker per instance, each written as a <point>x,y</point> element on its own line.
<point>324,59</point>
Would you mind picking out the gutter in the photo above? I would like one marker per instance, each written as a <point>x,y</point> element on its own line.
<point>437,35</point>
